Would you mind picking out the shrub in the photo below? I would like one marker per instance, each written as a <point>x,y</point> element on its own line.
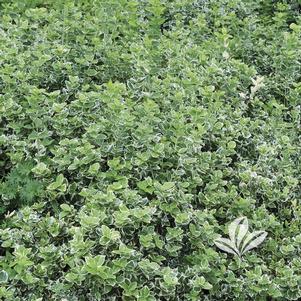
<point>133,133</point>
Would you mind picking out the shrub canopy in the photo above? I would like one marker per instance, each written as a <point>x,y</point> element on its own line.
<point>132,133</point>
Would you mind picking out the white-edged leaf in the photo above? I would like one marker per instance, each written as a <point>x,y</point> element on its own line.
<point>253,240</point>
<point>226,245</point>
<point>3,276</point>
<point>238,227</point>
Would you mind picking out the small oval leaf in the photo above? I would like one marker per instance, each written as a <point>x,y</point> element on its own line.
<point>3,276</point>
<point>253,240</point>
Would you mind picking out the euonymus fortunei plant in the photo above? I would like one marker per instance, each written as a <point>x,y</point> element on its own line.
<point>129,129</point>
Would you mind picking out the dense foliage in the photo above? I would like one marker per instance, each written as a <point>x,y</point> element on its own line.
<point>133,132</point>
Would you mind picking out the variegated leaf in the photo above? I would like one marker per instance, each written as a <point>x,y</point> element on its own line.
<point>238,229</point>
<point>3,276</point>
<point>226,245</point>
<point>242,232</point>
<point>253,240</point>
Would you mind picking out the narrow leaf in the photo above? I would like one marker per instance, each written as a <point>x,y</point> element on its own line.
<point>233,227</point>
<point>226,245</point>
<point>253,240</point>
<point>242,231</point>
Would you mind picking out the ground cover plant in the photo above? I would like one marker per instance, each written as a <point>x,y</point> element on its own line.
<point>135,135</point>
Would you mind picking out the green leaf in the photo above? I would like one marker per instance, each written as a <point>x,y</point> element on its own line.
<point>93,264</point>
<point>94,168</point>
<point>3,276</point>
<point>167,186</point>
<point>66,207</point>
<point>40,169</point>
<point>231,144</point>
